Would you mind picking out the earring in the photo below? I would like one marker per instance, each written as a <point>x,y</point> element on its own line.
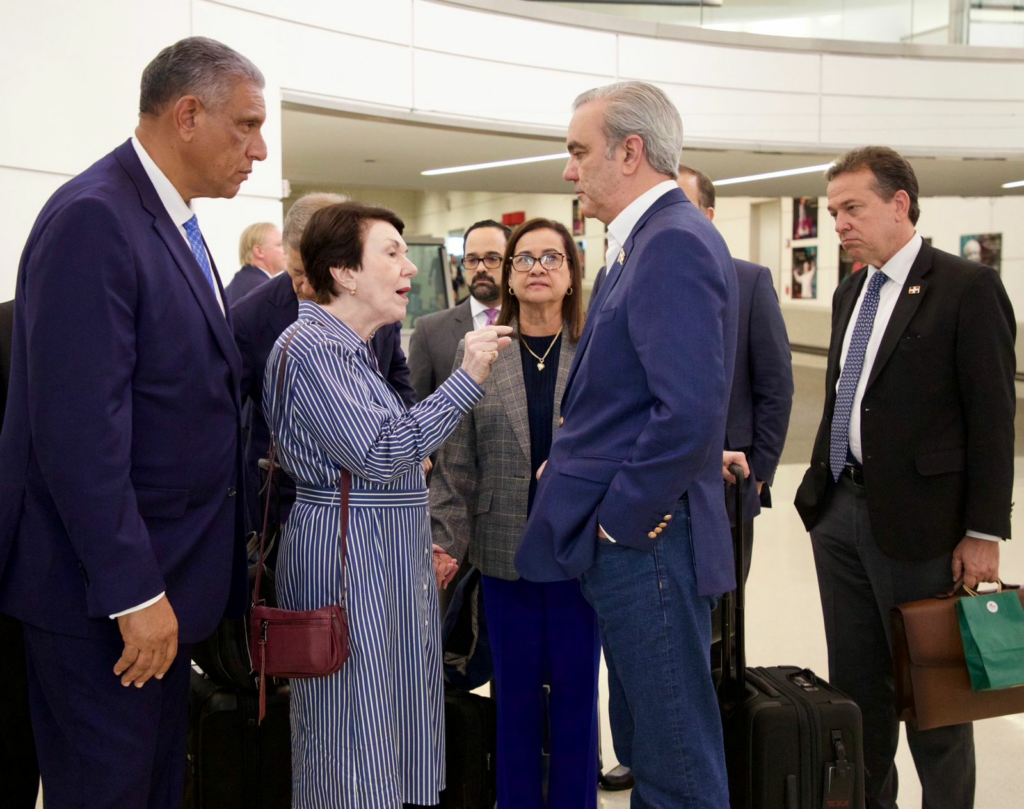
<point>568,292</point>
<point>511,292</point>
<point>351,292</point>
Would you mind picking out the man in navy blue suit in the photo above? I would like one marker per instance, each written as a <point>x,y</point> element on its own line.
<point>631,499</point>
<point>119,456</point>
<point>762,381</point>
<point>261,251</point>
<point>259,319</point>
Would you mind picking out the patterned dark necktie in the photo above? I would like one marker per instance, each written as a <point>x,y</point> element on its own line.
<point>195,241</point>
<point>839,445</point>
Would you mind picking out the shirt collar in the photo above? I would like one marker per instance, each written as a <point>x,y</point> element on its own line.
<point>622,225</point>
<point>333,325</point>
<point>179,211</point>
<point>898,267</point>
<point>475,307</point>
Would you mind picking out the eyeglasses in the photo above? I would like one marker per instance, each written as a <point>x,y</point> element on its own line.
<point>549,261</point>
<point>491,261</point>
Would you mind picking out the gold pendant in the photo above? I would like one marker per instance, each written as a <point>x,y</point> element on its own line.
<point>540,366</point>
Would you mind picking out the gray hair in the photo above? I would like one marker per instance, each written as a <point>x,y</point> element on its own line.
<point>195,66</point>
<point>638,108</point>
<point>302,211</point>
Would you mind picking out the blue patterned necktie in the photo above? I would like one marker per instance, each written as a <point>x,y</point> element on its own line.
<point>195,241</point>
<point>839,445</point>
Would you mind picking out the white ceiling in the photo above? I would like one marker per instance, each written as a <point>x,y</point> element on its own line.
<point>326,148</point>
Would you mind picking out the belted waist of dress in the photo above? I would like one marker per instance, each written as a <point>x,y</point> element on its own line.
<point>362,498</point>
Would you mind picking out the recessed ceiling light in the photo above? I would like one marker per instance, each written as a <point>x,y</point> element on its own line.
<point>1018,184</point>
<point>771,175</point>
<point>496,164</point>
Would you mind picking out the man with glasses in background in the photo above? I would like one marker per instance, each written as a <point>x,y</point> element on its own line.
<point>437,335</point>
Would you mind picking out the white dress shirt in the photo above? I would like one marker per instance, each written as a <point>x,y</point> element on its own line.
<point>179,211</point>
<point>897,269</point>
<point>622,225</point>
<point>620,228</point>
<point>479,311</point>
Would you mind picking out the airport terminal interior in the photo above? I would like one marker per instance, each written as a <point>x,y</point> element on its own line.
<point>454,111</point>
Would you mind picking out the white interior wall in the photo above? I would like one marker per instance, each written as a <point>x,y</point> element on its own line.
<point>69,71</point>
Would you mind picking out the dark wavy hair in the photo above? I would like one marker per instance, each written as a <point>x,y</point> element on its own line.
<point>572,305</point>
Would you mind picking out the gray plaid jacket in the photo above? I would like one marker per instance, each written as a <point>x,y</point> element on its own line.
<point>480,485</point>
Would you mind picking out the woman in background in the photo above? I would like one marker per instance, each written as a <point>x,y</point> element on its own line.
<point>481,493</point>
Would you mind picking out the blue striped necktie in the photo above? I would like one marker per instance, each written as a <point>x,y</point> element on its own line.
<point>839,444</point>
<point>195,241</point>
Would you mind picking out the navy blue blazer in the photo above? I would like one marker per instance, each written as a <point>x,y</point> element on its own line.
<point>645,405</point>
<point>119,455</point>
<point>244,282</point>
<point>762,385</point>
<point>259,319</point>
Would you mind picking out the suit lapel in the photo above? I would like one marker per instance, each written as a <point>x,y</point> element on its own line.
<point>511,389</point>
<point>218,321</point>
<point>673,197</point>
<point>906,306</point>
<point>565,361</point>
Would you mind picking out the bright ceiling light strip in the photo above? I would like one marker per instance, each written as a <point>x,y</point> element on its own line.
<point>1018,184</point>
<point>771,175</point>
<point>495,165</point>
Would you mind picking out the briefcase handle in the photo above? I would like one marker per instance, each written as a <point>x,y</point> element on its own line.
<point>959,588</point>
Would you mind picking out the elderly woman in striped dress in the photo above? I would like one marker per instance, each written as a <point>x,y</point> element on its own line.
<point>372,735</point>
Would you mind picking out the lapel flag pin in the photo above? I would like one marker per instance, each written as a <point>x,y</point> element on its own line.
<point>914,291</point>
<point>622,257</point>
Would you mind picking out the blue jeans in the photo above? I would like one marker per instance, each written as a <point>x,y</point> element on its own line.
<point>656,633</point>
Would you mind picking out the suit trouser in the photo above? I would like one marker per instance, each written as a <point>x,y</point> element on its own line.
<point>19,770</point>
<point>859,585</point>
<point>656,634</point>
<point>101,745</point>
<point>544,633</point>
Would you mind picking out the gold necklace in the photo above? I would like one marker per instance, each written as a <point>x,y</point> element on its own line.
<point>540,360</point>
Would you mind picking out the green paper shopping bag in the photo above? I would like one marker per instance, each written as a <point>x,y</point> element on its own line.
<point>992,627</point>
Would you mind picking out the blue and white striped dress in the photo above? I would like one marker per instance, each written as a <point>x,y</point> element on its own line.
<point>372,735</point>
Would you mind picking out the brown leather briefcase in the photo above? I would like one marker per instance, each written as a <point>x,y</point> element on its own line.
<point>933,686</point>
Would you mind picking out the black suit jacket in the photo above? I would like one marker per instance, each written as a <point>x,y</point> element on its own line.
<point>245,281</point>
<point>6,341</point>
<point>937,414</point>
<point>259,319</point>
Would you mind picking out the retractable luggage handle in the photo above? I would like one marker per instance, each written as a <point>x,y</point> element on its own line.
<point>734,601</point>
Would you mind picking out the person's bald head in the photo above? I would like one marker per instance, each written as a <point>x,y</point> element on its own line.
<point>698,189</point>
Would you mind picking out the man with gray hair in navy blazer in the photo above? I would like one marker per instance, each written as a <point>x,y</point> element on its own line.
<point>119,457</point>
<point>631,499</point>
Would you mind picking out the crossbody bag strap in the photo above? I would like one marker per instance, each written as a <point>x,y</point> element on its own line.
<point>272,460</point>
<point>345,484</point>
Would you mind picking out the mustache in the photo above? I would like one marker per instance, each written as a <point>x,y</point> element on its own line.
<point>485,278</point>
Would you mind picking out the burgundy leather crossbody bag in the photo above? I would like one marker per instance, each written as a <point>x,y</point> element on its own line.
<point>290,643</point>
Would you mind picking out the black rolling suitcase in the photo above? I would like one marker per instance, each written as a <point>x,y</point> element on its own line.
<point>471,741</point>
<point>792,741</point>
<point>234,762</point>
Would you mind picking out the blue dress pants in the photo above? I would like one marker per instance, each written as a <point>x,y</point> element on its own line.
<point>101,745</point>
<point>544,634</point>
<point>656,632</point>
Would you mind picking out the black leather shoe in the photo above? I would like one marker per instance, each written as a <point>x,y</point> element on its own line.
<point>616,779</point>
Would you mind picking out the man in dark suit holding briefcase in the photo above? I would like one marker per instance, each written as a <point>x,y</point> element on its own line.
<point>911,475</point>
